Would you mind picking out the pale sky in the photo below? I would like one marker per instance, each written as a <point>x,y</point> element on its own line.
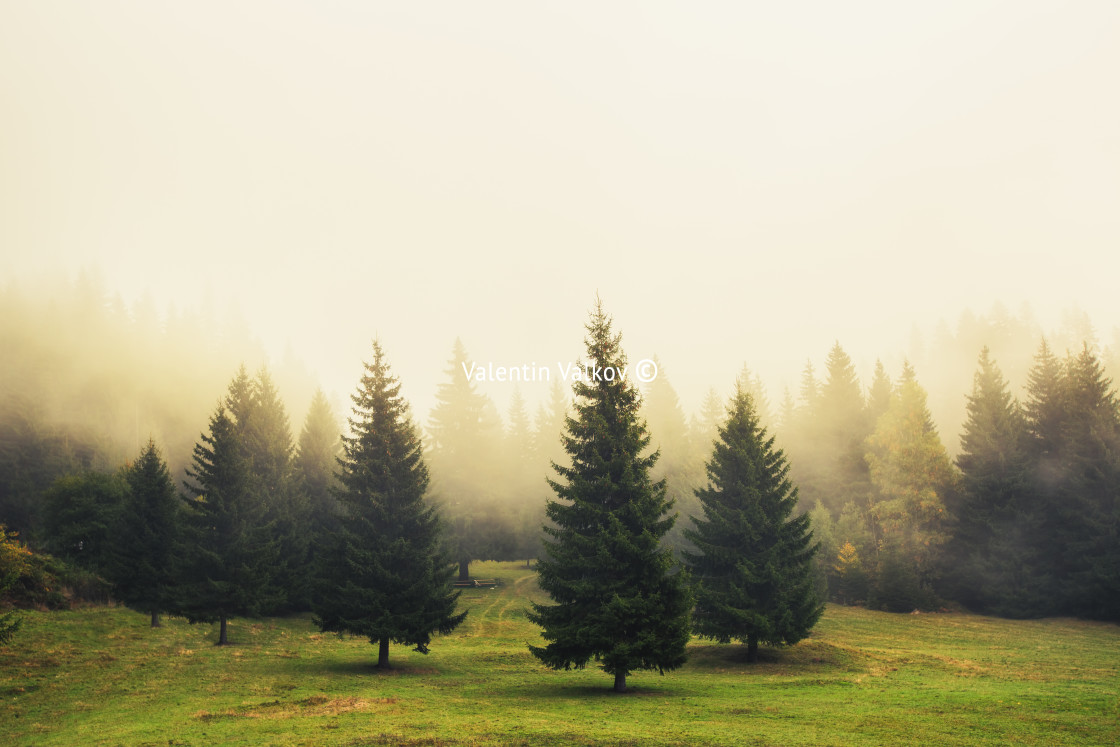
<point>740,182</point>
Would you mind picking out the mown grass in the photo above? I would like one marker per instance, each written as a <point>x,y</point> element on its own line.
<point>102,676</point>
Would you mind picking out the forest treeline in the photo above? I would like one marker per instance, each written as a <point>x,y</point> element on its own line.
<point>1017,516</point>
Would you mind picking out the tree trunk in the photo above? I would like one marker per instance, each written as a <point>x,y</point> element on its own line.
<point>464,570</point>
<point>752,649</point>
<point>383,654</point>
<point>222,640</point>
<point>155,619</point>
<point>620,682</point>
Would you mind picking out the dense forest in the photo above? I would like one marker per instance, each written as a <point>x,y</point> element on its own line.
<point>982,472</point>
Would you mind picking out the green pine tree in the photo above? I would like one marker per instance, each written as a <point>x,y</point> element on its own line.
<point>320,445</point>
<point>80,513</point>
<point>1042,514</point>
<point>229,552</point>
<point>988,570</point>
<point>465,456</point>
<point>668,432</point>
<point>142,558</point>
<point>753,565</point>
<point>266,436</point>
<point>388,577</point>
<point>618,599</point>
<point>1088,525</point>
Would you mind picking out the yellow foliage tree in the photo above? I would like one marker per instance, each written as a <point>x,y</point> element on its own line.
<point>911,474</point>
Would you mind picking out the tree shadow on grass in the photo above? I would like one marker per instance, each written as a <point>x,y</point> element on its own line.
<point>806,657</point>
<point>553,690</point>
<point>370,668</point>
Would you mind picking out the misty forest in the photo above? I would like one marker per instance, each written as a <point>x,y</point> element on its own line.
<point>134,475</point>
<point>1014,516</point>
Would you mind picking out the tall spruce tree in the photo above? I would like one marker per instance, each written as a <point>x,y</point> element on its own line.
<point>668,432</point>
<point>842,425</point>
<point>618,598</point>
<point>266,436</point>
<point>911,476</point>
<point>465,456</point>
<point>753,564</point>
<point>1088,526</point>
<point>1043,514</point>
<point>878,395</point>
<point>142,557</point>
<point>229,551</point>
<point>320,445</point>
<point>989,571</point>
<point>389,578</point>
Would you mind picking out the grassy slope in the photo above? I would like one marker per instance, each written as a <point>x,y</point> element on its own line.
<point>102,676</point>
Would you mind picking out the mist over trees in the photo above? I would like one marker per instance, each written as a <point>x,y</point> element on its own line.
<point>86,380</point>
<point>980,469</point>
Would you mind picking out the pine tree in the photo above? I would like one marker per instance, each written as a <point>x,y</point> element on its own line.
<point>320,444</point>
<point>229,552</point>
<point>550,424</point>
<point>988,567</point>
<point>1042,512</point>
<point>388,579</point>
<point>810,387</point>
<point>618,600</point>
<point>1088,524</point>
<point>142,557</point>
<point>466,440</point>
<point>879,395</point>
<point>669,435</point>
<point>753,564</point>
<point>266,436</point>
<point>524,479</point>
<point>841,426</point>
<point>911,476</point>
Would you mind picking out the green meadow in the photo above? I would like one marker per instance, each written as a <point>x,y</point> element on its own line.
<point>100,675</point>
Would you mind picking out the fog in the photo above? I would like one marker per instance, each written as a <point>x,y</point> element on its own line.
<point>740,185</point>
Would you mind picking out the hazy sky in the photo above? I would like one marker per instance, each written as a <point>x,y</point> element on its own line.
<point>740,182</point>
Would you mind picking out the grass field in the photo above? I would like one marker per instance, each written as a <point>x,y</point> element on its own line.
<point>102,676</point>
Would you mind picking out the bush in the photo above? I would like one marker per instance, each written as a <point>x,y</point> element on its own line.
<point>30,580</point>
<point>898,588</point>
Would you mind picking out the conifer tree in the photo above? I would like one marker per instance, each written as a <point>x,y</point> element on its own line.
<point>80,513</point>
<point>320,445</point>
<point>841,426</point>
<point>810,387</point>
<point>524,479</point>
<point>991,513</point>
<point>1041,515</point>
<point>229,552</point>
<point>388,577</point>
<point>912,476</point>
<point>617,598</point>
<point>550,425</point>
<point>142,556</point>
<point>669,436</point>
<point>879,394</point>
<point>266,436</point>
<point>465,456</point>
<point>1088,522</point>
<point>753,565</point>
